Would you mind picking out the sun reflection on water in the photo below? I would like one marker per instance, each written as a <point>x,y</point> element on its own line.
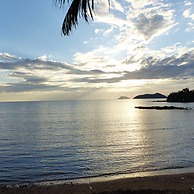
<point>74,139</point>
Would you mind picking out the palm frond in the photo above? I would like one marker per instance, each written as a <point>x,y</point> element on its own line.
<point>78,8</point>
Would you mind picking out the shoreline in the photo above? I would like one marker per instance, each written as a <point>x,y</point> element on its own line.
<point>176,183</point>
<point>102,178</point>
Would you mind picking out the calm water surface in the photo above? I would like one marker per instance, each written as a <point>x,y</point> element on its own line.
<point>41,141</point>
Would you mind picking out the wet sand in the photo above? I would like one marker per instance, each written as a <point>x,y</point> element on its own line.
<point>159,184</point>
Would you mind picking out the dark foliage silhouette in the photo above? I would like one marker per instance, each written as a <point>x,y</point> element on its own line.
<point>147,96</point>
<point>77,8</point>
<point>181,96</point>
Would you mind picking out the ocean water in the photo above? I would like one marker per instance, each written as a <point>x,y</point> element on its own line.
<point>46,141</point>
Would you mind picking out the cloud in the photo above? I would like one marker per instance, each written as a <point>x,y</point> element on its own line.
<point>179,66</point>
<point>148,18</point>
<point>101,58</point>
<point>26,87</point>
<point>40,74</point>
<point>188,14</point>
<point>138,4</point>
<point>172,67</point>
<point>6,57</point>
<point>130,24</point>
<point>187,3</point>
<point>151,18</point>
<point>115,5</point>
<point>42,58</point>
<point>27,75</point>
<point>149,27</point>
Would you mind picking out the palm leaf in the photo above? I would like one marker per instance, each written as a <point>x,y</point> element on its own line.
<point>78,8</point>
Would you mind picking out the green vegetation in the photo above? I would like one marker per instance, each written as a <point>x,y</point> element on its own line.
<point>181,96</point>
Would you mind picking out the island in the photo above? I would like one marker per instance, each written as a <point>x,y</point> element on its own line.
<point>162,107</point>
<point>123,98</point>
<point>147,96</point>
<point>184,95</point>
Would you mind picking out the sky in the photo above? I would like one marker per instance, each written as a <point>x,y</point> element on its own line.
<point>131,47</point>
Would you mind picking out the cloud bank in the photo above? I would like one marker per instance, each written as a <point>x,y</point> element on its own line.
<point>132,41</point>
<point>26,75</point>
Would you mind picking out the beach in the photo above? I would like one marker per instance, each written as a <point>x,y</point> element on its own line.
<point>159,184</point>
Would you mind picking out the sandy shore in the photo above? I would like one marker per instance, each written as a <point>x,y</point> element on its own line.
<point>160,184</point>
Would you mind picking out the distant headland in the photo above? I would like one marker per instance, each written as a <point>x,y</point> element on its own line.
<point>123,97</point>
<point>147,96</point>
<point>184,95</point>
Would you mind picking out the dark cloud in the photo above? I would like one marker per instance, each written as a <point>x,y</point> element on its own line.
<point>148,26</point>
<point>26,87</point>
<point>29,78</point>
<point>35,79</point>
<point>25,71</point>
<point>162,72</point>
<point>173,67</point>
<point>38,64</point>
<point>34,64</point>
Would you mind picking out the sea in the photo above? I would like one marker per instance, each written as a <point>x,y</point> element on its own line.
<point>72,140</point>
